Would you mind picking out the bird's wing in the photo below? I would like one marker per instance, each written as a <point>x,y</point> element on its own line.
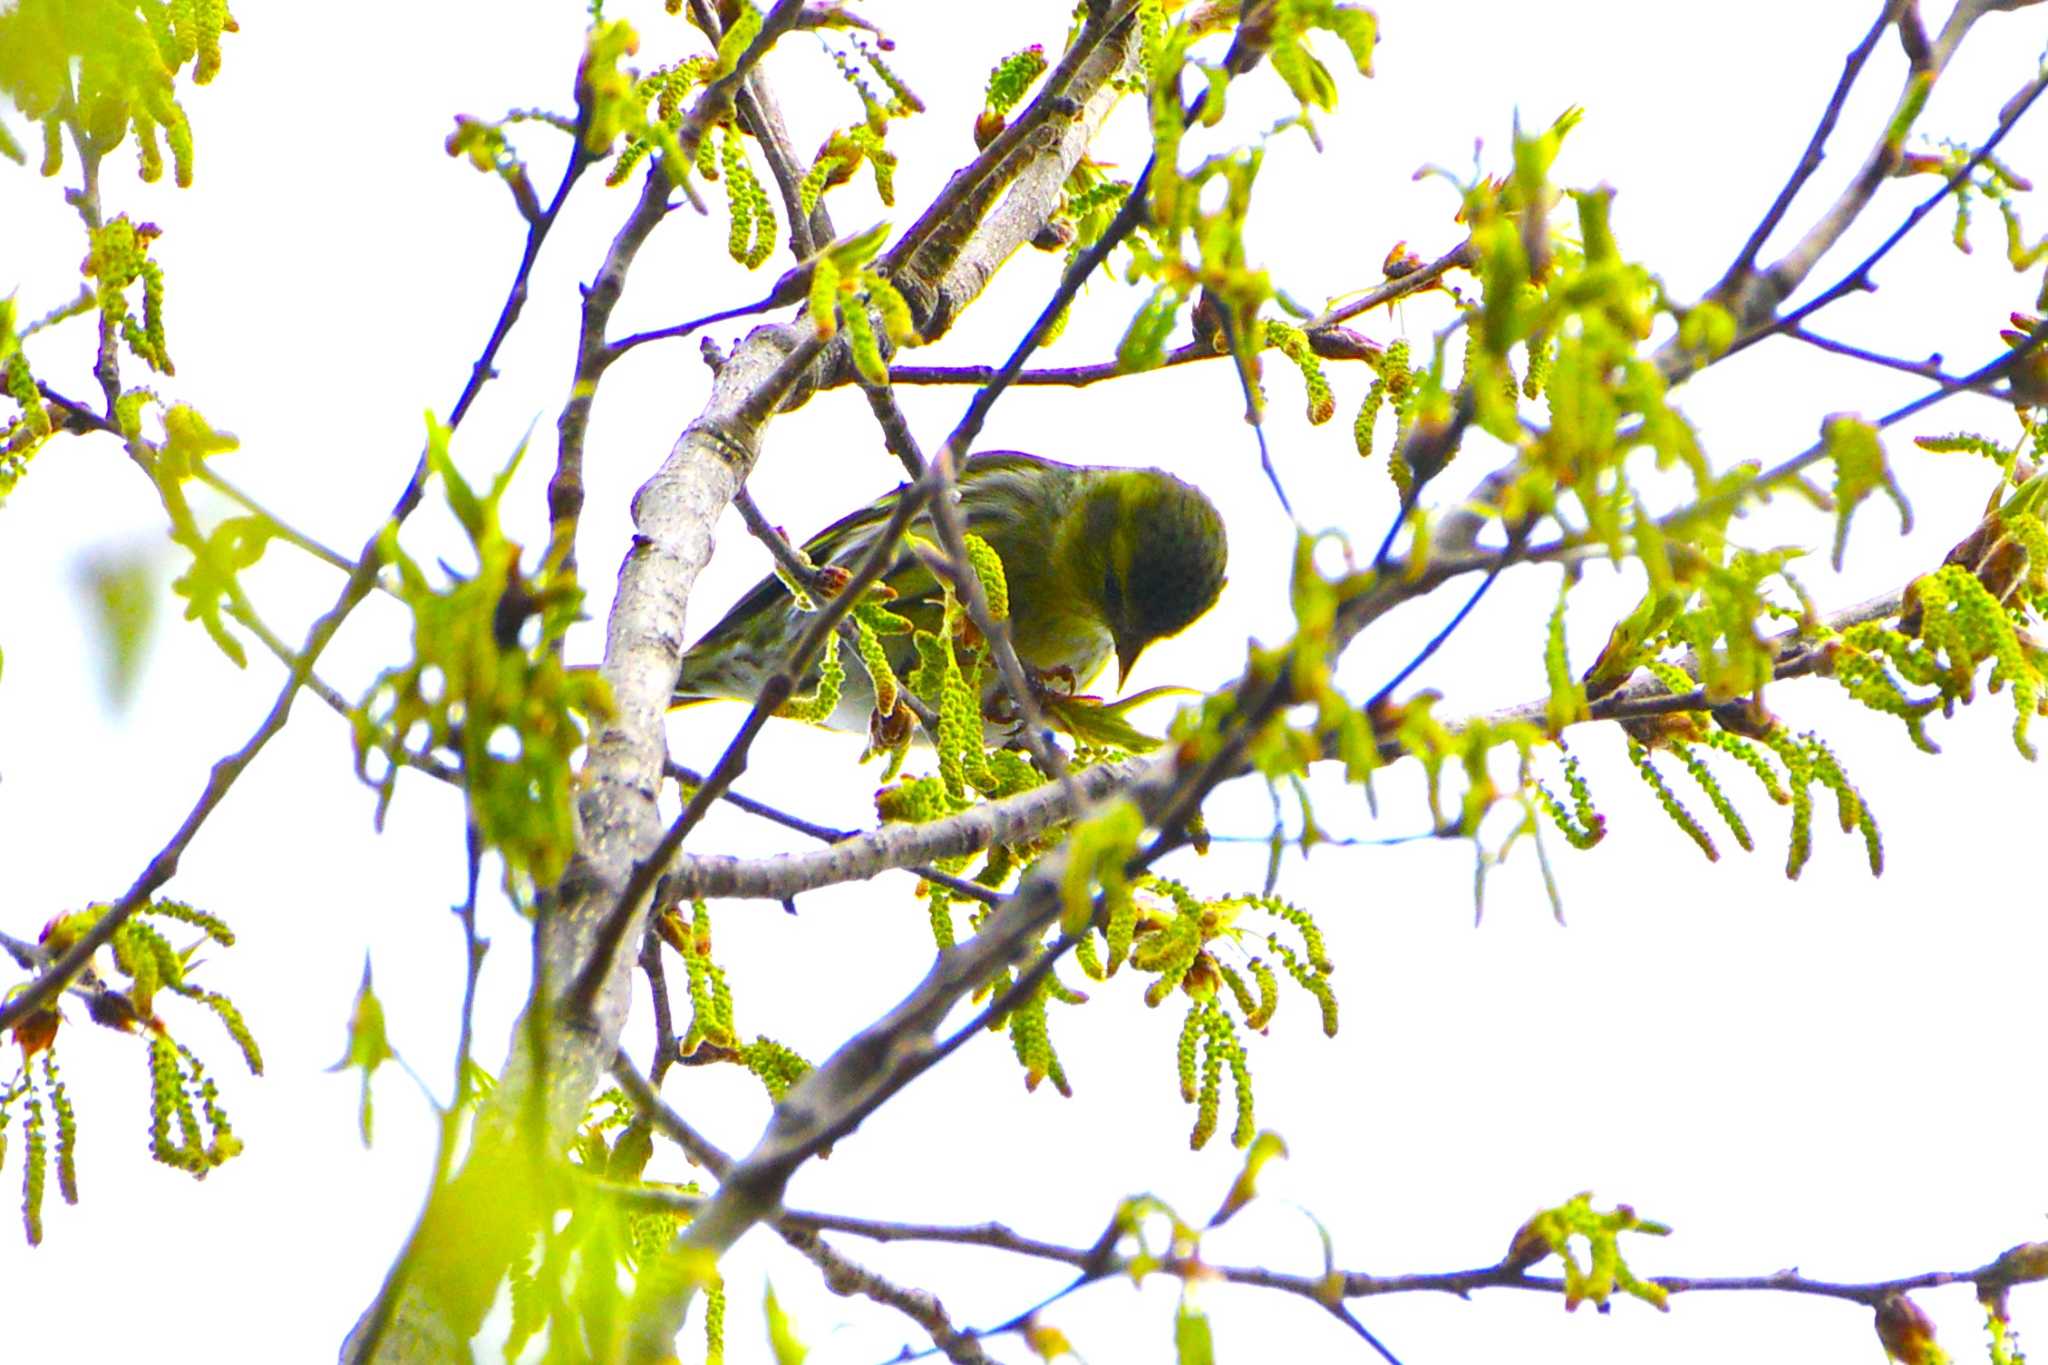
<point>986,481</point>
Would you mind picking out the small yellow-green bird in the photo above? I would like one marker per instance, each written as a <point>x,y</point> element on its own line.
<point>1099,561</point>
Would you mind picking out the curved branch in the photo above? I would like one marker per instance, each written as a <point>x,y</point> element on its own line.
<point>556,1056</point>
<point>1809,160</point>
<point>842,1274</point>
<point>221,778</point>
<point>1753,296</point>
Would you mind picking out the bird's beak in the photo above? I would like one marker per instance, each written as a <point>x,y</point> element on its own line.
<point>1128,648</point>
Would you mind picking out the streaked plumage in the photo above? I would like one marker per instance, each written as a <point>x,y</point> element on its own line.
<point>1100,561</point>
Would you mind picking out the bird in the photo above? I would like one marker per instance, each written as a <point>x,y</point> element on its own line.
<point>1100,561</point>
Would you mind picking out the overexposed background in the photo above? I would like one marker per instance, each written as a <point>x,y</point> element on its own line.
<point>1834,1073</point>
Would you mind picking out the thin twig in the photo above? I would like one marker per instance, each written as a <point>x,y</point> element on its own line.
<point>1355,1284</point>
<point>786,556</point>
<point>221,779</point>
<point>843,1275</point>
<point>340,705</point>
<point>1254,415</point>
<point>1450,627</point>
<point>1328,343</point>
<point>656,972</point>
<point>593,355</point>
<point>1787,274</point>
<point>1809,160</point>
<point>1925,369</point>
<point>944,512</point>
<point>1399,287</point>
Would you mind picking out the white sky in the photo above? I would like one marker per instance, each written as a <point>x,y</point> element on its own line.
<point>1811,1073</point>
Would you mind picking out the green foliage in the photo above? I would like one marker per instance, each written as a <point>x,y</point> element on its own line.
<point>821,701</point>
<point>39,1083</point>
<point>118,259</point>
<point>189,1129</point>
<point>578,1287</point>
<point>1802,760</point>
<point>752,238</point>
<point>1966,442</point>
<point>662,99</point>
<point>1011,78</point>
<point>204,1138</point>
<point>710,996</point>
<point>1860,468</point>
<point>121,593</point>
<point>711,1034</point>
<point>1188,249</point>
<point>777,1067</point>
<point>25,432</point>
<point>1567,702</point>
<point>782,1337</point>
<point>484,144</point>
<point>1394,387</point>
<point>845,292</point>
<point>1555,1232</point>
<point>1193,1341</point>
<point>1959,623</point>
<point>1582,825</point>
<point>509,711</point>
<point>95,69</point>
<point>1640,756</point>
<point>1293,343</point>
<point>1103,725</point>
<point>865,143</point>
<point>1307,78</point>
<point>1187,943</point>
<point>613,103</point>
<point>1990,180</point>
<point>211,586</point>
<point>845,152</point>
<point>369,1046</point>
<point>1720,622</point>
<point>1031,1040</point>
<point>1706,330</point>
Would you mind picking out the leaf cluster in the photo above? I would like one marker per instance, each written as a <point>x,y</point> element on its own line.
<point>99,69</point>
<point>486,684</point>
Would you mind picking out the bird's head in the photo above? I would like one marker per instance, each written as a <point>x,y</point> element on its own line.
<point>1152,555</point>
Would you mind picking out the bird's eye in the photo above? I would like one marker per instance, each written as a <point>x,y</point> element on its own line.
<point>1112,592</point>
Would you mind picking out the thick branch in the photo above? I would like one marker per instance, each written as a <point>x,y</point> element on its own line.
<point>590,913</point>
<point>1013,819</point>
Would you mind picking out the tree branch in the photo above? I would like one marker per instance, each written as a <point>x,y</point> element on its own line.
<point>1329,343</point>
<point>362,578</point>
<point>843,1275</point>
<point>1810,160</point>
<point>593,353</point>
<point>1399,287</point>
<point>1013,819</point>
<point>958,885</point>
<point>1755,297</point>
<point>558,1053</point>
